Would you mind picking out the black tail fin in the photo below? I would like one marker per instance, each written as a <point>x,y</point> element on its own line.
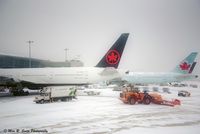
<point>113,56</point>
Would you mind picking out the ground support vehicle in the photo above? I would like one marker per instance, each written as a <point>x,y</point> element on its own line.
<point>157,99</point>
<point>132,95</point>
<point>92,93</point>
<point>184,93</point>
<point>52,94</point>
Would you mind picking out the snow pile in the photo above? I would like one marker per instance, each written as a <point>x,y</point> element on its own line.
<point>103,114</point>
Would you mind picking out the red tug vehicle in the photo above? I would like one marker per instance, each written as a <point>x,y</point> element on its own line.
<point>131,95</point>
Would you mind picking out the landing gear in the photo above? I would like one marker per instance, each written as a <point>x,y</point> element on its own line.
<point>18,91</point>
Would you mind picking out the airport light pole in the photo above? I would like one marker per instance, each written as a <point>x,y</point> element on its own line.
<point>29,43</point>
<point>66,53</point>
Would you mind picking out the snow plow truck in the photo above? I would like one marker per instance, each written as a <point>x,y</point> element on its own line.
<point>131,95</point>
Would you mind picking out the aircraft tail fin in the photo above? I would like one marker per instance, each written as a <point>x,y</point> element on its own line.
<point>187,65</point>
<point>113,56</point>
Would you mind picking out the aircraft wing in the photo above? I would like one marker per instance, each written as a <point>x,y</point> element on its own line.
<point>5,81</point>
<point>10,82</point>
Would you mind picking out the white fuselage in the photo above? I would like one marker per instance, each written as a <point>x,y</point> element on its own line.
<point>62,75</point>
<point>88,75</point>
<point>157,78</point>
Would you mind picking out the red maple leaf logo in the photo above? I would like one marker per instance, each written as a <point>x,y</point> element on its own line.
<point>184,66</point>
<point>112,57</point>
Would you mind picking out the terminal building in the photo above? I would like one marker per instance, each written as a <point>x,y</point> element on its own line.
<point>8,61</point>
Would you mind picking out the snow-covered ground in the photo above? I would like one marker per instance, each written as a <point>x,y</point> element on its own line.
<point>102,114</point>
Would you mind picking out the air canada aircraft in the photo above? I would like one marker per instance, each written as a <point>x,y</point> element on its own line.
<point>182,72</point>
<point>37,78</point>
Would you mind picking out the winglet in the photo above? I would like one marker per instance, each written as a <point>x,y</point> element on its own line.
<point>192,67</point>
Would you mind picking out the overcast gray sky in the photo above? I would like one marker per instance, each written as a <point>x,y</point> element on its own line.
<point>162,32</point>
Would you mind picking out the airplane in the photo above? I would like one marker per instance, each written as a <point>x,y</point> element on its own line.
<point>182,72</point>
<point>38,78</point>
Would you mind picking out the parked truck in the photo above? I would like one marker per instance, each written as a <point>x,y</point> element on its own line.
<point>52,94</point>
